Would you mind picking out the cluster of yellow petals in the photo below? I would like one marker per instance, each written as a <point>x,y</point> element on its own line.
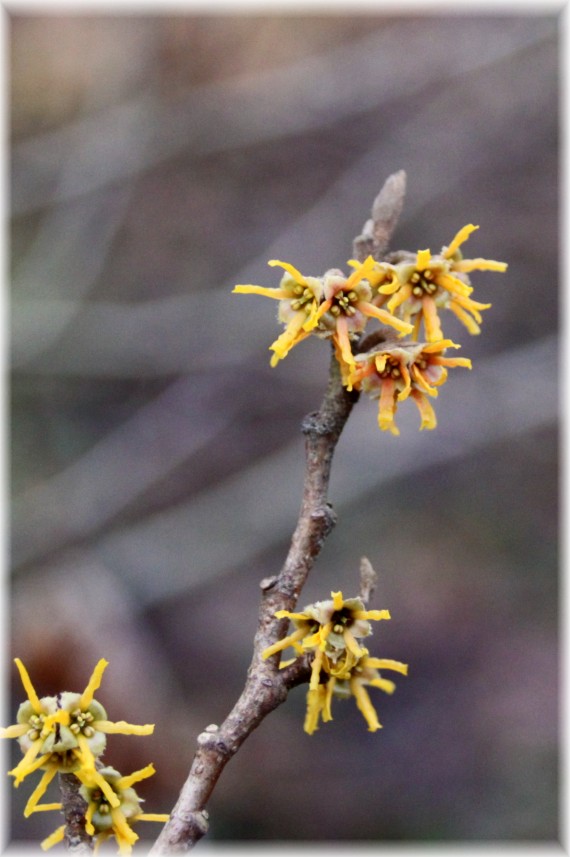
<point>346,679</point>
<point>331,307</point>
<point>104,819</point>
<point>66,734</point>
<point>417,290</point>
<point>328,631</point>
<point>403,297</point>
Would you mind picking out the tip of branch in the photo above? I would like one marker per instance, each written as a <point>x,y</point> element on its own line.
<point>368,579</point>
<point>388,204</point>
<point>386,210</point>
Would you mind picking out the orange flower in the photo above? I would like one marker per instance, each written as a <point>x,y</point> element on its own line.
<point>346,309</point>
<point>331,307</point>
<point>429,283</point>
<point>392,372</point>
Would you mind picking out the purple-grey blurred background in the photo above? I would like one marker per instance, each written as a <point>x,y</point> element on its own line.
<point>156,458</point>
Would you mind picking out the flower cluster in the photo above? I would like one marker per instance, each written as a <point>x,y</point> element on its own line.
<point>104,818</point>
<point>67,734</point>
<point>394,371</point>
<point>406,297</point>
<point>329,631</point>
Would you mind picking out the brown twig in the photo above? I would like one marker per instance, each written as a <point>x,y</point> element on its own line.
<point>386,209</point>
<point>266,686</point>
<point>76,837</point>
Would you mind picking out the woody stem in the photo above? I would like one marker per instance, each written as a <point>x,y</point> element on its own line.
<point>266,687</point>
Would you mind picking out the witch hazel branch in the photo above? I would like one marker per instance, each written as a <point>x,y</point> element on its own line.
<point>383,322</point>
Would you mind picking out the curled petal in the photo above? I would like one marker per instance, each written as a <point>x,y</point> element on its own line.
<point>282,614</point>
<point>316,669</point>
<point>61,716</point>
<point>364,705</point>
<point>431,319</point>
<point>427,413</point>
<point>28,686</point>
<point>351,643</point>
<point>459,239</point>
<point>387,407</point>
<point>464,318</point>
<point>135,777</point>
<point>342,340</point>
<point>15,731</point>
<point>320,637</point>
<point>122,831</point>
<point>372,614</point>
<point>30,763</point>
<point>123,728</point>
<point>280,645</point>
<point>338,600</point>
<point>317,313</point>
<point>384,684</point>
<point>40,790</point>
<point>327,713</point>
<point>90,777</point>
<point>151,816</point>
<point>314,705</point>
<point>386,317</point>
<point>422,382</point>
<point>440,345</point>
<point>276,294</point>
<point>453,285</point>
<point>400,297</point>
<point>94,683</point>
<point>89,813</point>
<point>468,265</point>
<point>389,287</point>
<point>362,272</point>
<point>53,838</point>
<point>470,306</point>
<point>387,664</point>
<point>288,339</point>
<point>423,259</point>
<point>297,275</point>
<point>453,361</point>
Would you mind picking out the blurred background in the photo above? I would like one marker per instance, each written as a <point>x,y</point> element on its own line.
<point>157,160</point>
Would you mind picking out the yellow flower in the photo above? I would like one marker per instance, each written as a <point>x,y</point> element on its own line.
<point>430,283</point>
<point>330,625</point>
<point>346,309</point>
<point>299,300</point>
<point>63,733</point>
<point>331,307</point>
<point>349,678</point>
<point>394,371</point>
<point>104,818</point>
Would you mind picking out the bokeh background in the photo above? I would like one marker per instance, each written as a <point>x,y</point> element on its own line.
<point>156,458</point>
